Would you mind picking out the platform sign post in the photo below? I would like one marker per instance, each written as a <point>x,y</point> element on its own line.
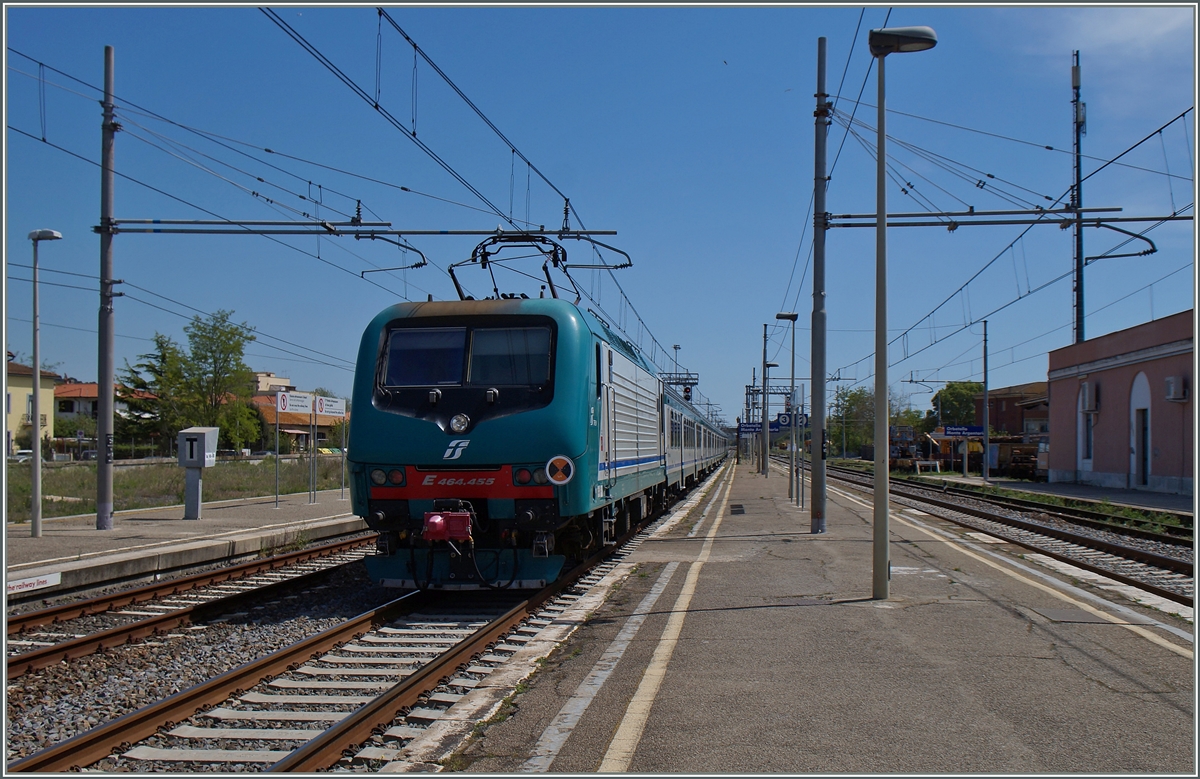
<point>197,451</point>
<point>294,402</point>
<point>334,407</point>
<point>966,432</point>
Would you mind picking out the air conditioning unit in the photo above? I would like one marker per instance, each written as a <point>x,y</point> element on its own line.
<point>1176,390</point>
<point>1090,397</point>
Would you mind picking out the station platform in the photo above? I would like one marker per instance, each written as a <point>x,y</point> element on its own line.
<point>72,554</point>
<point>733,640</point>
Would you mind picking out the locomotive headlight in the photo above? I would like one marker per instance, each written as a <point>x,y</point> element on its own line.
<point>459,422</point>
<point>540,477</point>
<point>396,476</point>
<point>378,476</point>
<point>522,476</point>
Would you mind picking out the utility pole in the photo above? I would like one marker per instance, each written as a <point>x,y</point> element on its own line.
<point>766,437</point>
<point>820,225</point>
<point>105,378</point>
<point>1080,110</point>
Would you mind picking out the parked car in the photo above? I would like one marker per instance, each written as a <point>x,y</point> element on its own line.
<point>21,456</point>
<point>87,454</point>
<point>262,454</point>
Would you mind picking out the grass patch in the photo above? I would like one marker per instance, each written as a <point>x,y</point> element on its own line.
<point>293,541</point>
<point>159,484</point>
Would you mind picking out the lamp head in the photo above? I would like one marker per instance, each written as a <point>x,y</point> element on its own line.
<point>45,235</point>
<point>772,365</point>
<point>790,316</point>
<point>899,39</point>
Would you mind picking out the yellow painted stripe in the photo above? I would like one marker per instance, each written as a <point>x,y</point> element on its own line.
<point>1146,634</point>
<point>629,733</point>
<point>1153,638</point>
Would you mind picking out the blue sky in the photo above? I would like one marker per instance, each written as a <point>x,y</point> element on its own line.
<point>689,131</point>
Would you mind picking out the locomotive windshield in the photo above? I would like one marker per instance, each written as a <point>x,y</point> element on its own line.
<point>510,355</point>
<point>425,357</point>
<point>439,356</point>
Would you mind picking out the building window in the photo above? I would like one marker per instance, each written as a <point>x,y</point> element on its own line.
<point>1088,437</point>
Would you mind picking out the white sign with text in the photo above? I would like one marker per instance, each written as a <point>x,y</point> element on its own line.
<point>294,402</point>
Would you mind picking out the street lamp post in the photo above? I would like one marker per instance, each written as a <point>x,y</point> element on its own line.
<point>791,317</point>
<point>882,43</point>
<point>766,424</point>
<point>35,510</point>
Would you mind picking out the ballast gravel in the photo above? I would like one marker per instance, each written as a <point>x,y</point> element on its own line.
<point>61,701</point>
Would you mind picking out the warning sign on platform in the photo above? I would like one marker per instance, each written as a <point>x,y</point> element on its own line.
<point>294,402</point>
<point>334,406</point>
<point>31,583</point>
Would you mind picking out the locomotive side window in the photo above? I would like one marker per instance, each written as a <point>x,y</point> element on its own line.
<point>425,357</point>
<point>510,356</point>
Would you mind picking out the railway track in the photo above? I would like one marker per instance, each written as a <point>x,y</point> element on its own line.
<point>352,695</point>
<point>1180,529</point>
<point>37,639</point>
<point>1156,563</point>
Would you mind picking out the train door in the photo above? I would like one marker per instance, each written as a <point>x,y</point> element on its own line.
<point>663,425</point>
<point>604,395</point>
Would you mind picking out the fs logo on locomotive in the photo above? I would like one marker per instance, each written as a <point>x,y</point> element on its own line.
<point>455,449</point>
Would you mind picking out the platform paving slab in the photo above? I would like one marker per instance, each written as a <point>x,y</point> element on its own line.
<point>784,663</point>
<point>146,542</point>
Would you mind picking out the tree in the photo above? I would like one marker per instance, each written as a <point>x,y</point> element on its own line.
<point>153,390</point>
<point>207,385</point>
<point>239,423</point>
<point>67,425</point>
<point>851,419</point>
<point>337,431</point>
<point>214,372</point>
<point>958,402</point>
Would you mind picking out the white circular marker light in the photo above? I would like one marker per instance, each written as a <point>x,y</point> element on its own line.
<point>378,476</point>
<point>459,422</point>
<point>559,470</point>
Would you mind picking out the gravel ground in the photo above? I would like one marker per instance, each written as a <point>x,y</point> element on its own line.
<point>61,701</point>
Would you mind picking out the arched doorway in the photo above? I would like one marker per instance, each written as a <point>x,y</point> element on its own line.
<point>1140,445</point>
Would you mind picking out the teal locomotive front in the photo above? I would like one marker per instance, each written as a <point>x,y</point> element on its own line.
<point>475,443</point>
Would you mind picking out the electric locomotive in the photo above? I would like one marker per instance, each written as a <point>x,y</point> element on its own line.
<point>493,441</point>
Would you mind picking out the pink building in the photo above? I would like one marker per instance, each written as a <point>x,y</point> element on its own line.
<point>1121,408</point>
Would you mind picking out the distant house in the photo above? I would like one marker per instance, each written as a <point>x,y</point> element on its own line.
<point>1121,408</point>
<point>269,382</point>
<point>18,403</point>
<point>81,397</point>
<point>1022,410</point>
